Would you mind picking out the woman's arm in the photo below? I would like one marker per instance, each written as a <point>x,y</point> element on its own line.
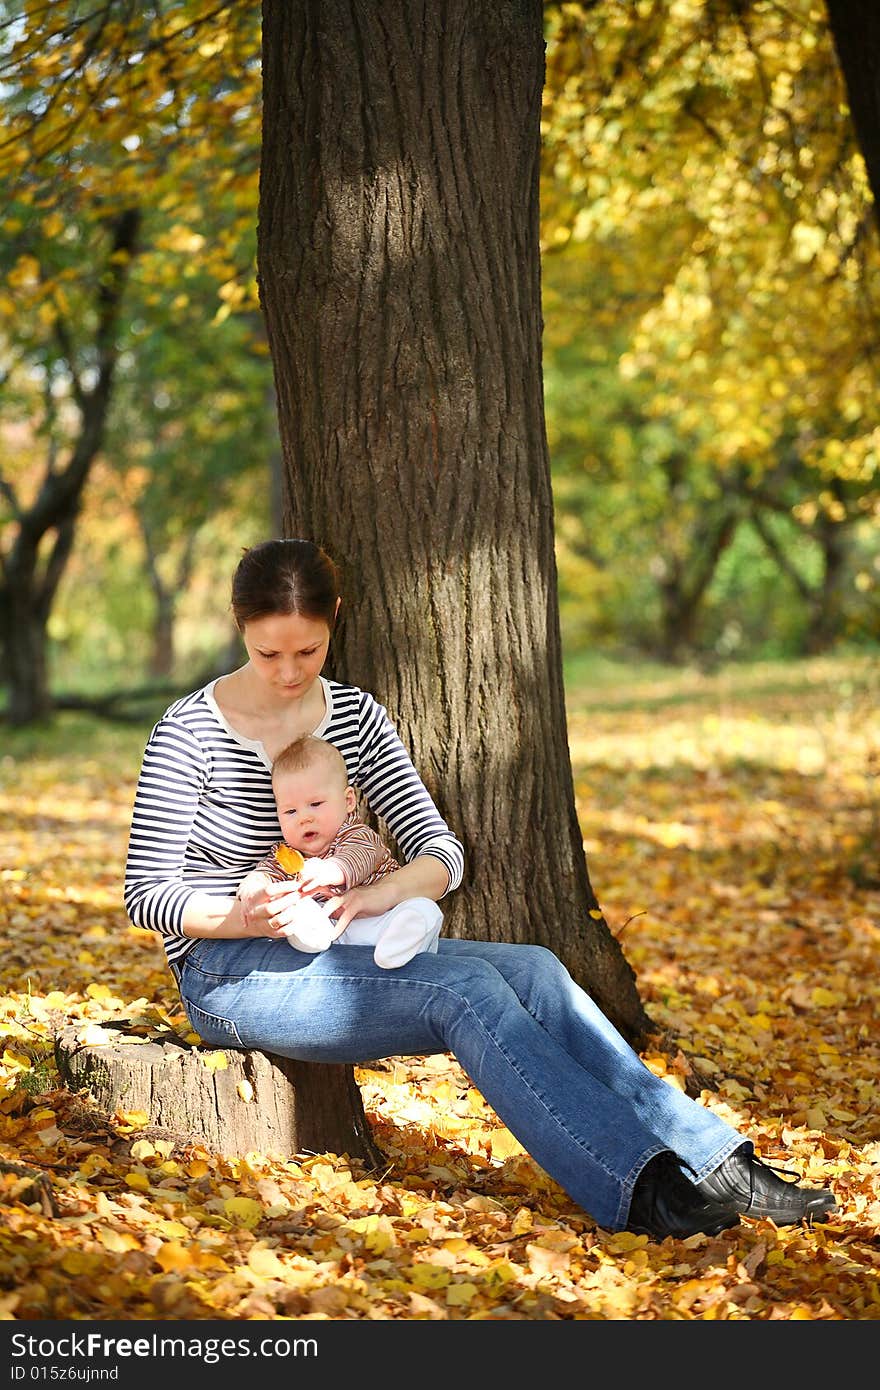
<point>395,792</point>
<point>224,918</point>
<point>170,783</point>
<point>423,877</point>
<point>173,785</point>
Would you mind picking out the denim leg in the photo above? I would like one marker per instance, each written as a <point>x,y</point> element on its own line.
<point>540,980</point>
<point>340,1006</point>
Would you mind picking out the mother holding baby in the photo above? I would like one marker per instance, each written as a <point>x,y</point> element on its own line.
<point>633,1151</point>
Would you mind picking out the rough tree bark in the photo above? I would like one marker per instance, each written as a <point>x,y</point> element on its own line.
<point>855,29</point>
<point>230,1101</point>
<point>399,269</point>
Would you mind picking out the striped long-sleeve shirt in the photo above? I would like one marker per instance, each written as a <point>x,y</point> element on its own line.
<point>204,812</point>
<point>363,857</point>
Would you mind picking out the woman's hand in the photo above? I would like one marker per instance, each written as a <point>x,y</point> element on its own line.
<point>267,907</point>
<point>251,893</point>
<point>363,902</point>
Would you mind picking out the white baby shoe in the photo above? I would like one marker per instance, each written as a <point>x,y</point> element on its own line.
<point>412,928</point>
<point>312,930</point>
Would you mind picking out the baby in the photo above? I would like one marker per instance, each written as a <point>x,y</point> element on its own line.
<point>328,847</point>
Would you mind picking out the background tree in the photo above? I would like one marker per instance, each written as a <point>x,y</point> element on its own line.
<point>705,206</point>
<point>191,438</point>
<point>109,118</point>
<point>75,359</point>
<point>399,265</point>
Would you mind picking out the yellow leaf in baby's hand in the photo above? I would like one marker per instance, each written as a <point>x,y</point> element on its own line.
<point>290,860</point>
<point>244,1211</point>
<point>245,1090</point>
<point>216,1061</point>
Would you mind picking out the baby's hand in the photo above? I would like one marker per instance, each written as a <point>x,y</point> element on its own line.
<point>318,874</point>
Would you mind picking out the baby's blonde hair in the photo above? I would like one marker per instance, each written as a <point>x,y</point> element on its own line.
<point>307,751</point>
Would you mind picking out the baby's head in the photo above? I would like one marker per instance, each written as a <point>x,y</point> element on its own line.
<point>312,793</point>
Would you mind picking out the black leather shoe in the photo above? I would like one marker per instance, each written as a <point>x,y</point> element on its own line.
<point>666,1203</point>
<point>756,1190</point>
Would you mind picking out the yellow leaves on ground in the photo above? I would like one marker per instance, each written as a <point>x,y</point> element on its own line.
<point>243,1211</point>
<point>826,998</point>
<point>756,951</point>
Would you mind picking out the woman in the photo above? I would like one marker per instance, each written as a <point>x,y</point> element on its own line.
<point>578,1098</point>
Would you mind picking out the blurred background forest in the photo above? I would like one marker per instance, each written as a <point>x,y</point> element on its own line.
<point>712,298</point>
<point>711,282</point>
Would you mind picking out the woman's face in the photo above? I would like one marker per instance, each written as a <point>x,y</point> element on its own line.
<point>287,652</point>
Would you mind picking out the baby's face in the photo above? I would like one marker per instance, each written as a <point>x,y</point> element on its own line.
<point>312,804</point>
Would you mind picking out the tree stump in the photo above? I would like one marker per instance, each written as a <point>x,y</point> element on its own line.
<point>227,1100</point>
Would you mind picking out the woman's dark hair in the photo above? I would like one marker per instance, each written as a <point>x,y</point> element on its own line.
<point>283,577</point>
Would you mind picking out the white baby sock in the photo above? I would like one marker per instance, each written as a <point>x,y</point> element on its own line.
<point>410,929</point>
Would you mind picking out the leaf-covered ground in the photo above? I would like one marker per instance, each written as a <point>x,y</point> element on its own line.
<point>731,825</point>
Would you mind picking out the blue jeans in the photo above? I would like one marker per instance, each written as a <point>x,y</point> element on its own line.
<point>549,1063</point>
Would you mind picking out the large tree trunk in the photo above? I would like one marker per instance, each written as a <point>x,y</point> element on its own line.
<point>855,29</point>
<point>399,265</point>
